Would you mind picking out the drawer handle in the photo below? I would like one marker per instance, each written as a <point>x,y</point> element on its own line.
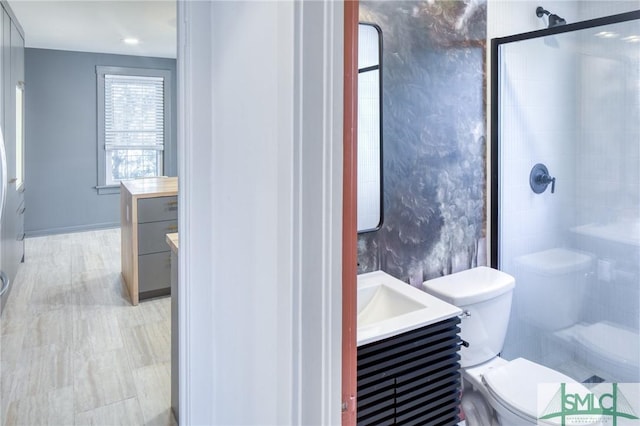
<point>13,180</point>
<point>21,211</point>
<point>172,209</point>
<point>172,203</point>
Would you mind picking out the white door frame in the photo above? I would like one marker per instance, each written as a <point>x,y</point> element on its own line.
<point>260,294</point>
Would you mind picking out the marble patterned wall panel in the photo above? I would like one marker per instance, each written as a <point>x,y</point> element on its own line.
<point>433,138</point>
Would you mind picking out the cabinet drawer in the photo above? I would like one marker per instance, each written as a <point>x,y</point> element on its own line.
<point>157,209</point>
<point>154,272</point>
<point>152,236</point>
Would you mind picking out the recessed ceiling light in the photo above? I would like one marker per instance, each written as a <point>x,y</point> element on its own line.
<point>632,39</point>
<point>130,40</point>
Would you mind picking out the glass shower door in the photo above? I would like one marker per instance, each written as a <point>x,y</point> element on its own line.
<point>568,182</point>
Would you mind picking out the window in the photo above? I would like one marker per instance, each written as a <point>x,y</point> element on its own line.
<point>133,124</point>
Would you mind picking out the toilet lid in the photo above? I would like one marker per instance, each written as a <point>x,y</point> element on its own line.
<point>516,384</point>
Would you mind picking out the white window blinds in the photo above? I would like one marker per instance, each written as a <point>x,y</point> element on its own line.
<point>134,112</point>
<point>133,126</point>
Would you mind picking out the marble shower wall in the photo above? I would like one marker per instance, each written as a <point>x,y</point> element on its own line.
<point>433,139</point>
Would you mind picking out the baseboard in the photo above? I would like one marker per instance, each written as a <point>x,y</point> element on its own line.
<point>71,229</point>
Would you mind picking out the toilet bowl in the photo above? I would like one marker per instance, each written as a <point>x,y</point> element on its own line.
<point>512,389</point>
<point>509,387</point>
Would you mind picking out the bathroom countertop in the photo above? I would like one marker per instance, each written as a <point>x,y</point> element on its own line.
<point>388,307</point>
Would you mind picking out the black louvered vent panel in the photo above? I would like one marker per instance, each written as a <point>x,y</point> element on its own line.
<point>412,378</point>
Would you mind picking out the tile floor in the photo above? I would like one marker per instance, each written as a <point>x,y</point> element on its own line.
<point>72,348</point>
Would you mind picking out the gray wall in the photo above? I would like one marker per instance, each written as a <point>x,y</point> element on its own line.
<point>433,139</point>
<point>61,147</point>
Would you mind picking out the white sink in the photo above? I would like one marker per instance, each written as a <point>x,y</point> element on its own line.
<point>388,307</point>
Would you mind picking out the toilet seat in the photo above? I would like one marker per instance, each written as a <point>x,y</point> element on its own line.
<point>515,385</point>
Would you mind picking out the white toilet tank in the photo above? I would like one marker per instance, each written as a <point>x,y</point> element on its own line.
<point>484,294</point>
<point>552,285</point>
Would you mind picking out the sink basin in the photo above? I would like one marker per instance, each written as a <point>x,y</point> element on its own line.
<point>388,307</point>
<point>383,302</point>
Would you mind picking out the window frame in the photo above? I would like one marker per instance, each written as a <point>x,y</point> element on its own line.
<point>101,71</point>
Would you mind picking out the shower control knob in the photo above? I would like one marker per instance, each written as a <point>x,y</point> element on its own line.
<point>539,179</point>
<point>546,180</point>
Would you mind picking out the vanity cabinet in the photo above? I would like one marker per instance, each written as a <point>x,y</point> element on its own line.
<point>411,378</point>
<point>149,211</point>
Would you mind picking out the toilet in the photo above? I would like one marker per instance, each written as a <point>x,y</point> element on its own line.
<point>509,387</point>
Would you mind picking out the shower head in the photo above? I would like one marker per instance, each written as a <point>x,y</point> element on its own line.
<point>554,20</point>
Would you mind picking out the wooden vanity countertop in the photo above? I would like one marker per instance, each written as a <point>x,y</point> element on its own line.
<point>172,240</point>
<point>151,187</point>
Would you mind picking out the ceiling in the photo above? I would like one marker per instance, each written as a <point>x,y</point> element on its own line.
<point>99,26</point>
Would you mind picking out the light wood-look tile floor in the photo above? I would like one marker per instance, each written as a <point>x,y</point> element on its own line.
<point>72,348</point>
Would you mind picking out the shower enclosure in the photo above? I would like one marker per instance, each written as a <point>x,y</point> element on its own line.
<point>566,194</point>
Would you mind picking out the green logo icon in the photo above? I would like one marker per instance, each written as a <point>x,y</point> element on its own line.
<point>572,405</point>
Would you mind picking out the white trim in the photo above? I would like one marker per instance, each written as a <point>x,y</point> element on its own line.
<point>260,249</point>
<point>318,244</point>
<point>196,353</point>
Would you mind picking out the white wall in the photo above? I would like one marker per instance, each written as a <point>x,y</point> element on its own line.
<point>260,167</point>
<point>509,17</point>
<point>590,9</point>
